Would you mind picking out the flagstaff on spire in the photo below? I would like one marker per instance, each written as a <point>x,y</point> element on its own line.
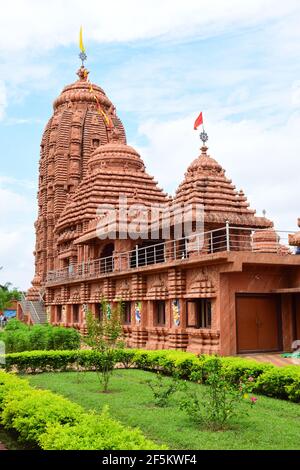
<point>82,55</point>
<point>203,134</point>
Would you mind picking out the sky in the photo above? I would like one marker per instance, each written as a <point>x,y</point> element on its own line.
<point>161,63</point>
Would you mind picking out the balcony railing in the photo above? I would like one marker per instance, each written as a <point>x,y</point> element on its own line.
<point>225,239</point>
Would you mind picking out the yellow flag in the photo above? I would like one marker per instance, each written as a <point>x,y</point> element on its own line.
<point>81,46</point>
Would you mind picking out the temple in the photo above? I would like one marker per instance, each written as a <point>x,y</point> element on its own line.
<point>232,287</point>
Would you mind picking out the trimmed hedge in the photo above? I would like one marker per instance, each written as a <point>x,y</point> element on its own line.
<point>18,337</point>
<point>95,432</point>
<point>281,382</point>
<point>268,380</point>
<point>47,420</point>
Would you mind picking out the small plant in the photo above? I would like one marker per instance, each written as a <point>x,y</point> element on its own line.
<point>105,337</point>
<point>163,388</point>
<point>222,401</point>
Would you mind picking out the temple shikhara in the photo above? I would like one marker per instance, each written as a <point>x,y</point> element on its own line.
<point>231,288</point>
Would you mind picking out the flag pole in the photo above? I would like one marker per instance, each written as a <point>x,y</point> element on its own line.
<point>203,136</point>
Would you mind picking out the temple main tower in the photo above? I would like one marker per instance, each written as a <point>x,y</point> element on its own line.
<point>83,119</point>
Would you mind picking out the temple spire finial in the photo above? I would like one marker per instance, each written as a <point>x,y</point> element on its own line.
<point>82,55</point>
<point>203,134</point>
<point>203,137</point>
<point>82,72</point>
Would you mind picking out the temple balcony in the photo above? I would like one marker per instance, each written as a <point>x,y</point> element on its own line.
<point>214,244</point>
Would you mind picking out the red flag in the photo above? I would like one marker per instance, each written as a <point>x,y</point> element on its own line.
<point>198,121</point>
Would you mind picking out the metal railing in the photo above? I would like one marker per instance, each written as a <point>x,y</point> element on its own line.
<point>28,306</point>
<point>225,239</point>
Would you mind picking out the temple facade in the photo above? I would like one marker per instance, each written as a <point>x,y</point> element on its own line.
<point>232,287</point>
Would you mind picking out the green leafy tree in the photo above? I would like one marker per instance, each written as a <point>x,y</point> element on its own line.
<point>105,336</point>
<point>7,295</point>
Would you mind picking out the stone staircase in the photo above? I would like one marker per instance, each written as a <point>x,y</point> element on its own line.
<point>36,309</point>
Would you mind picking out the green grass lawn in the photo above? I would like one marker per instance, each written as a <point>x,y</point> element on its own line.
<point>271,424</point>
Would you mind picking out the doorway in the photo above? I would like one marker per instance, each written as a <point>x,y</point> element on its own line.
<point>258,323</point>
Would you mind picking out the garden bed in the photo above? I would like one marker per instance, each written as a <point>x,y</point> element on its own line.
<point>271,424</point>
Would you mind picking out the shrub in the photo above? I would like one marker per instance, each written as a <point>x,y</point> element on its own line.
<point>16,340</point>
<point>64,338</point>
<point>39,338</point>
<point>162,388</point>
<point>105,337</point>
<point>268,379</point>
<point>53,422</point>
<point>94,432</point>
<point>42,361</point>
<point>293,389</point>
<point>9,383</point>
<point>19,337</point>
<point>31,413</point>
<point>222,398</point>
<point>236,368</point>
<point>280,383</point>
<point>15,324</point>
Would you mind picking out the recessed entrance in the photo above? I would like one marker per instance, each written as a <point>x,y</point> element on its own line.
<point>296,317</point>
<point>258,323</point>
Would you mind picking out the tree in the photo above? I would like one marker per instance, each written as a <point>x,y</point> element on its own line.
<point>105,336</point>
<point>7,295</point>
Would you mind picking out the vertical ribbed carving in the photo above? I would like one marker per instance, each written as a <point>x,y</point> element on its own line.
<point>118,124</point>
<point>61,158</point>
<point>94,129</point>
<point>70,137</point>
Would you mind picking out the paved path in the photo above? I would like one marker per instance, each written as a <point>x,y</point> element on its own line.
<point>274,359</point>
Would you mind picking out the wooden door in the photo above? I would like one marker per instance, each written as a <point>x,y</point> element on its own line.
<point>297,316</point>
<point>258,324</point>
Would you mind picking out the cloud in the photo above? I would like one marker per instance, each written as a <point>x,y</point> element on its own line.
<point>16,258</point>
<point>3,99</point>
<point>21,121</point>
<point>8,180</point>
<point>17,213</point>
<point>45,25</point>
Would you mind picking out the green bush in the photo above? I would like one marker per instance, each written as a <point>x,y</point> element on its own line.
<point>46,419</point>
<point>268,379</point>
<point>29,414</point>
<point>20,337</point>
<point>283,382</point>
<point>94,432</point>
<point>236,368</point>
<point>15,324</point>
<point>64,338</point>
<point>222,401</point>
<point>42,361</point>
<point>10,383</point>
